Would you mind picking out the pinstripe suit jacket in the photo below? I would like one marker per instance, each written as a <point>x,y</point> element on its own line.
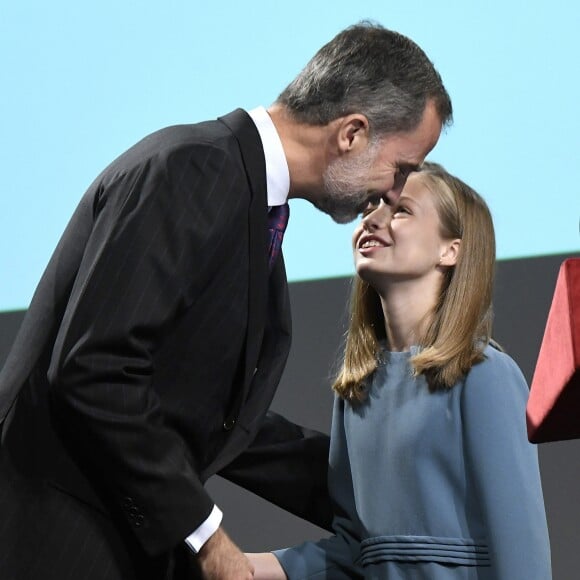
<point>156,338</point>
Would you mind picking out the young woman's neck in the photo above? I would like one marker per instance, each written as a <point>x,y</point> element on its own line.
<point>407,308</point>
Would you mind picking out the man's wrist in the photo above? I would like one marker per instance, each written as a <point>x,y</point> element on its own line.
<point>197,539</point>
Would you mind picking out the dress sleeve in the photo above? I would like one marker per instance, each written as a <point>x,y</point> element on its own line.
<point>332,558</point>
<point>327,559</point>
<point>503,468</point>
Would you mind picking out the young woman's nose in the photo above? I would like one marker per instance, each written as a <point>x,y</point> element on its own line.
<point>379,218</point>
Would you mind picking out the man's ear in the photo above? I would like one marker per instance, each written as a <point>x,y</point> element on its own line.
<point>353,133</point>
<point>450,253</point>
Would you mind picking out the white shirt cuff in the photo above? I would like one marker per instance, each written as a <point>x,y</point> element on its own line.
<point>199,537</point>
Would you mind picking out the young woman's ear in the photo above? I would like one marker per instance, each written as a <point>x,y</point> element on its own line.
<point>450,253</point>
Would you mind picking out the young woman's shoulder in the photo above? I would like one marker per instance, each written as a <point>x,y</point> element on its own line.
<point>496,375</point>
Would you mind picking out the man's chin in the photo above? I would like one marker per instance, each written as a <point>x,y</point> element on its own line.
<point>343,218</point>
<point>340,215</point>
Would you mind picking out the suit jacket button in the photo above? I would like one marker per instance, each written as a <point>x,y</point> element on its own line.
<point>229,423</point>
<point>127,502</point>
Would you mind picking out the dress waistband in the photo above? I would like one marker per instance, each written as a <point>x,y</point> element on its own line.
<point>458,551</point>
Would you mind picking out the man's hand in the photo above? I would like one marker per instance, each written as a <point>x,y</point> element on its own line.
<point>221,559</point>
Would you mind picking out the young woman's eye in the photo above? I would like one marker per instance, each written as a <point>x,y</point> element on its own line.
<point>401,210</point>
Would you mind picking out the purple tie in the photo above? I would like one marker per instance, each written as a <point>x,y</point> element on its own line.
<point>277,221</point>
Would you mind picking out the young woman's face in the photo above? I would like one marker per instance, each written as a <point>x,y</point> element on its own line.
<point>401,240</point>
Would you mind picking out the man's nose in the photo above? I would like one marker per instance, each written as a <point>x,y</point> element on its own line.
<point>398,185</point>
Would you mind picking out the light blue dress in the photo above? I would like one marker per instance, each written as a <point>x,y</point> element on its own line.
<point>432,485</point>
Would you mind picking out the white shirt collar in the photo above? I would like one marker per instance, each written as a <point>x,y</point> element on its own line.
<point>277,172</point>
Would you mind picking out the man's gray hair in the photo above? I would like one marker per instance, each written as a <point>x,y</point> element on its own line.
<point>371,70</point>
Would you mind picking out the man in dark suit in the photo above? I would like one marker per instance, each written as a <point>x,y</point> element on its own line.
<point>158,333</point>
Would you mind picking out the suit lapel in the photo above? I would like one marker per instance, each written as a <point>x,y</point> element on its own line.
<point>252,152</point>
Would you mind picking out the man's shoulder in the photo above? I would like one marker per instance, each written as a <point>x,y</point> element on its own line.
<point>220,132</point>
<point>162,147</point>
<point>211,134</point>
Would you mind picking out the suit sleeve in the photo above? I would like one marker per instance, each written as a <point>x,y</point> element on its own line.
<point>332,558</point>
<point>287,465</point>
<point>503,468</point>
<point>155,226</point>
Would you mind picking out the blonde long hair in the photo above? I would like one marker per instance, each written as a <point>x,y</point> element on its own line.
<point>460,325</point>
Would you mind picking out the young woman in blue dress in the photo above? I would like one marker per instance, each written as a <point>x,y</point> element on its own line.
<point>430,470</point>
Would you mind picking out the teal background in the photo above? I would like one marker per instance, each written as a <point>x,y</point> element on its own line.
<point>81,82</point>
